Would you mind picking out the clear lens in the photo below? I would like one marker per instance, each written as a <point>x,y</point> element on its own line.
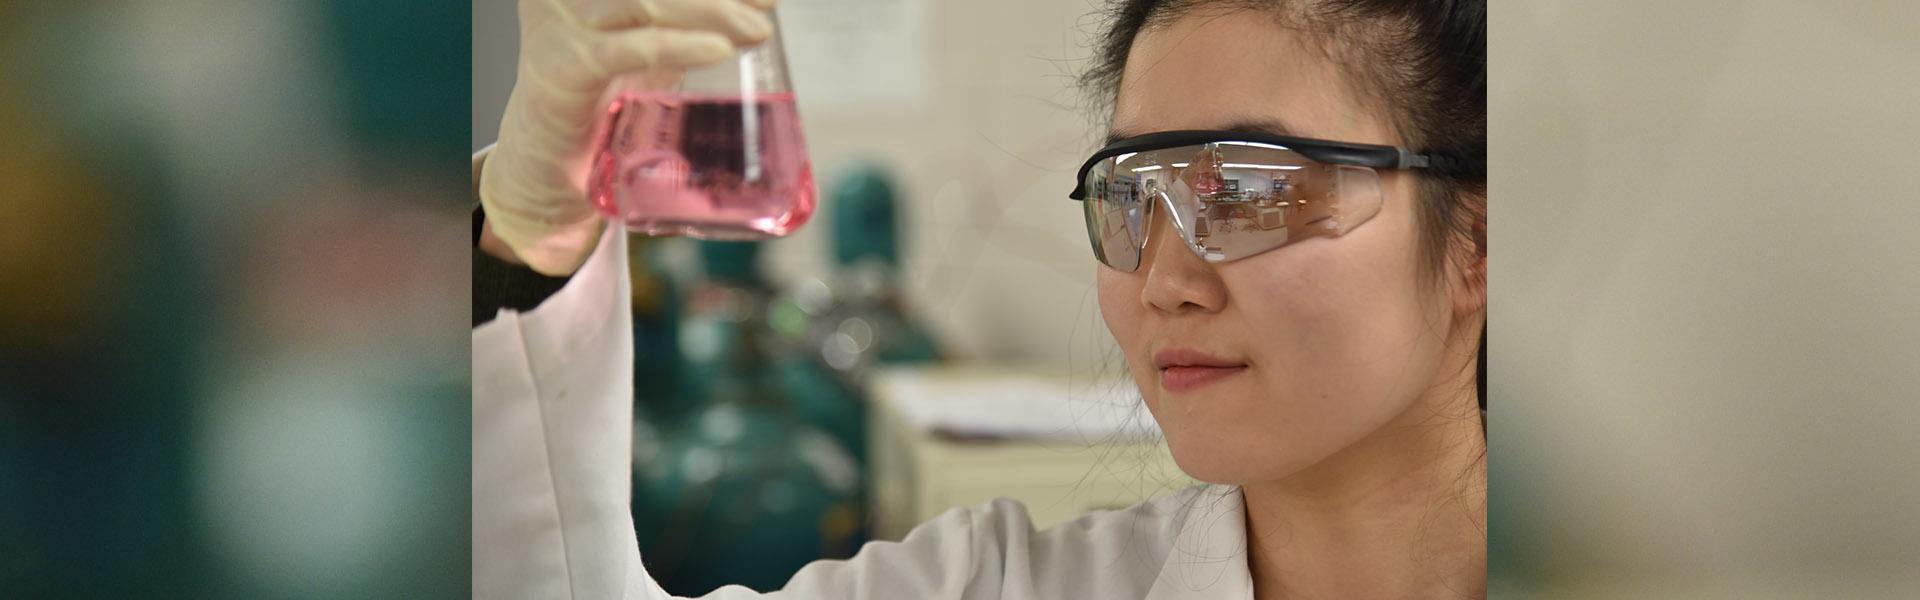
<point>1116,222</point>
<point>1228,200</point>
<point>1359,195</point>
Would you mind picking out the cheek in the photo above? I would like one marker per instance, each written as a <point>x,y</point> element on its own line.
<point>1326,332</point>
<point>1343,339</point>
<point>1120,305</point>
<point>1121,308</point>
<point>1348,324</point>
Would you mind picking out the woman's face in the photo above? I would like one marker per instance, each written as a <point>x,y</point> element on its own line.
<point>1334,338</point>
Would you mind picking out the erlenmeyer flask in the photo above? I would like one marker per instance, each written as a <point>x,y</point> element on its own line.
<point>717,156</point>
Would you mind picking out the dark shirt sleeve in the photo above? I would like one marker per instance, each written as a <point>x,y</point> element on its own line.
<point>498,284</point>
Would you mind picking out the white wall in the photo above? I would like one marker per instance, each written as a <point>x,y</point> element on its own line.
<point>1704,272</point>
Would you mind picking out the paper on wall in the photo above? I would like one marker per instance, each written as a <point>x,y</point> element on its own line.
<point>852,56</point>
<point>1016,405</point>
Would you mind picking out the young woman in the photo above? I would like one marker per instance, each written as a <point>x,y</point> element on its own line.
<point>1299,295</point>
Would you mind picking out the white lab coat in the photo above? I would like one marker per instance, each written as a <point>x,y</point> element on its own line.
<point>552,466</point>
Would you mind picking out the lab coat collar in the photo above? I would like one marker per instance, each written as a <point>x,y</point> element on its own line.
<point>1208,559</point>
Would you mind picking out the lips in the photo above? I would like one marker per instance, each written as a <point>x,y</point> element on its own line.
<point>1186,369</point>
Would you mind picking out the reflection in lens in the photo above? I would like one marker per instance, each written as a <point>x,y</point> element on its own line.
<point>1261,197</point>
<point>1228,200</point>
<point>1113,211</point>
<point>1247,199</point>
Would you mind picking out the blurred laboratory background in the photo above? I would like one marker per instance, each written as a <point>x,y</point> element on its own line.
<point>929,340</point>
<point>233,256</point>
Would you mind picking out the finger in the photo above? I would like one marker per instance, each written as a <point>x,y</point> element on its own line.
<point>606,15</point>
<point>642,49</point>
<point>742,23</point>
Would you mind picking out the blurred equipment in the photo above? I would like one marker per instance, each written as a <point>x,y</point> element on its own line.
<point>659,369</point>
<point>867,321</point>
<point>946,437</point>
<point>760,458</point>
<point>751,429</point>
<point>720,158</point>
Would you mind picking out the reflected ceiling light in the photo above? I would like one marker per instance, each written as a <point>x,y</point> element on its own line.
<point>1158,167</point>
<point>1247,166</point>
<point>1254,144</point>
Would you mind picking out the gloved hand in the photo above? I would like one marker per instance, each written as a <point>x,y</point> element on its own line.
<point>533,182</point>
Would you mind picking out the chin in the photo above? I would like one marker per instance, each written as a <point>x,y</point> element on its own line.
<point>1223,440</point>
<point>1208,457</point>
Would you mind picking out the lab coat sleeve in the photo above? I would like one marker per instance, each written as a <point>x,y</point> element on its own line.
<point>552,429</point>
<point>935,561</point>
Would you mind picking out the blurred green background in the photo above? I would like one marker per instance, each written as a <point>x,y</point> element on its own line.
<point>232,235</point>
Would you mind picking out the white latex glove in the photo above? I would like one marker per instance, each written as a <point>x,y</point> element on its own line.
<point>533,183</point>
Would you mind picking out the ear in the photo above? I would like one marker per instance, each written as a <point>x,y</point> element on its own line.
<point>1470,266</point>
<point>1470,286</point>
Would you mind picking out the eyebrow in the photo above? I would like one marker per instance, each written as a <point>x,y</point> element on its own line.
<point>1266,125</point>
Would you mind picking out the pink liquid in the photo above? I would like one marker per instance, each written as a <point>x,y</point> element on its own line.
<point>711,167</point>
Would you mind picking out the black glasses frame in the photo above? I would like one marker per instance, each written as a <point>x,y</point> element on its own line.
<point>1325,151</point>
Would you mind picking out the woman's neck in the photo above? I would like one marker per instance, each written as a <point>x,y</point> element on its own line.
<point>1400,514</point>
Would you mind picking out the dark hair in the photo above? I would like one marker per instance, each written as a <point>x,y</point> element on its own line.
<point>1423,61</point>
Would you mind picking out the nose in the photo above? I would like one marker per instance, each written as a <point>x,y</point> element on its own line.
<point>1178,281</point>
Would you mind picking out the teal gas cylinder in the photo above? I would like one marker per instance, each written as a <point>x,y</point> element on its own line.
<point>867,321</point>
<point>758,477</point>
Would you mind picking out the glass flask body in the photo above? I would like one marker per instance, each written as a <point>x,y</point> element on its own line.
<point>719,155</point>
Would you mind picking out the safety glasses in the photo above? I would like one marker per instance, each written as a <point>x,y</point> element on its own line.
<point>1230,195</point>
